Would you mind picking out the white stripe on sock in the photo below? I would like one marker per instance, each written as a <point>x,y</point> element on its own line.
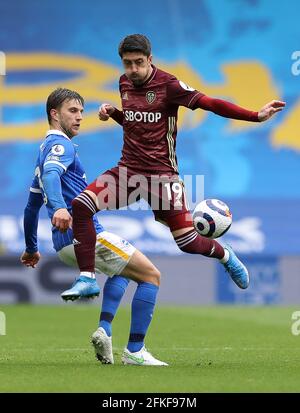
<point>87,203</point>
<point>212,250</point>
<point>188,241</point>
<point>185,240</point>
<point>184,236</point>
<point>88,200</point>
<point>225,258</point>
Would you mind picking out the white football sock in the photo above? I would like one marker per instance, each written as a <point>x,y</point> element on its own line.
<point>88,274</point>
<point>225,258</point>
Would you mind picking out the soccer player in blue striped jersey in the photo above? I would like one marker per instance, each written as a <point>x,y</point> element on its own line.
<point>60,177</point>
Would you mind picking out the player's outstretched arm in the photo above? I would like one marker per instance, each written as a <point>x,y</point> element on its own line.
<point>231,110</point>
<point>270,109</point>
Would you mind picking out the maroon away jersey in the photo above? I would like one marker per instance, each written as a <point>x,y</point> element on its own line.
<point>150,122</point>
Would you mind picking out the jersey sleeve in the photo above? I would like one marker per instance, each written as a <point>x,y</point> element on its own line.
<point>31,219</point>
<point>35,187</point>
<point>118,116</point>
<point>60,153</point>
<point>181,94</point>
<point>226,109</point>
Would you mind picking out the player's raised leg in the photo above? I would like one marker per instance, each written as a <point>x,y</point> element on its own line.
<point>189,241</point>
<point>84,207</point>
<point>100,194</point>
<point>83,286</point>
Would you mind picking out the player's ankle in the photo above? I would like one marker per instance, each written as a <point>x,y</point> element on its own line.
<point>87,274</point>
<point>226,257</point>
<point>106,327</point>
<point>134,347</point>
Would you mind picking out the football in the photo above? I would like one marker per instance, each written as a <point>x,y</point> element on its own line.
<point>212,218</point>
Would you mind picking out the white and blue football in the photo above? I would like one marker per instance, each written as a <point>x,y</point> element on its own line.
<point>212,218</point>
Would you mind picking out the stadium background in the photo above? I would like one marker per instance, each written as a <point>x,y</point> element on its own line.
<point>240,51</point>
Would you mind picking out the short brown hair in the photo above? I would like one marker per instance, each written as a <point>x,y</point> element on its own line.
<point>57,98</point>
<point>135,43</point>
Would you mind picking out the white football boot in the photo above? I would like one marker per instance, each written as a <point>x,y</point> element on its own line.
<point>102,346</point>
<point>141,358</point>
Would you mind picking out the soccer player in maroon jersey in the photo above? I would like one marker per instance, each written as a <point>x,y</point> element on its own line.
<point>150,101</point>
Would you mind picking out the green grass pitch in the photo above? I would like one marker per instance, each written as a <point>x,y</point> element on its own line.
<point>209,349</point>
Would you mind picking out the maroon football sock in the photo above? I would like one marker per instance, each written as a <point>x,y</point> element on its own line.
<point>84,208</point>
<point>193,243</point>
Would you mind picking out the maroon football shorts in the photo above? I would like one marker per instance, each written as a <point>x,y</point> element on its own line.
<point>119,187</point>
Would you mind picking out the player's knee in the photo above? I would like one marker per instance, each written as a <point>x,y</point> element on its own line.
<point>83,206</point>
<point>154,276</point>
<point>157,276</point>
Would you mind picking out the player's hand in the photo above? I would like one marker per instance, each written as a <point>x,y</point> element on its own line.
<point>270,109</point>
<point>105,111</point>
<point>30,259</point>
<point>62,220</point>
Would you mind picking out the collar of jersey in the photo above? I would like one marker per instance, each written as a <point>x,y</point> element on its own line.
<point>57,132</point>
<point>152,75</point>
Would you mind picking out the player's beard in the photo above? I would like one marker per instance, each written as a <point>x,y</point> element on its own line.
<point>138,81</point>
<point>67,131</point>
